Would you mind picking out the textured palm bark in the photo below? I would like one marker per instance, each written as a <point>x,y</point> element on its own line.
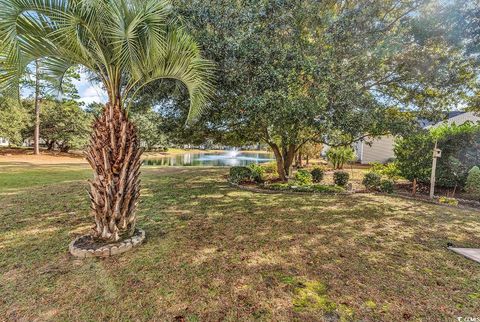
<point>114,154</point>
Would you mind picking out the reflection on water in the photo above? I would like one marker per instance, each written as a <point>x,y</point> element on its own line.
<point>228,158</point>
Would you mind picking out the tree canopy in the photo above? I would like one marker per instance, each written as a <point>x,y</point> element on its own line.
<point>325,71</point>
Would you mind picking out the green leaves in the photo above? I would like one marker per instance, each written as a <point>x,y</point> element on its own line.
<point>13,121</point>
<point>292,71</point>
<point>127,44</point>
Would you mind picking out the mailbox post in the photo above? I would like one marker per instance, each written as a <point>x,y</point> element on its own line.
<point>437,153</point>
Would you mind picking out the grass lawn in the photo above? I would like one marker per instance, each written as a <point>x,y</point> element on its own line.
<point>218,254</point>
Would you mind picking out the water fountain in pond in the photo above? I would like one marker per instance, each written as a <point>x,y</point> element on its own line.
<point>232,153</point>
<point>226,158</point>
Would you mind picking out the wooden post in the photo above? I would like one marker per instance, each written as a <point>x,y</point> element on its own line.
<point>436,154</point>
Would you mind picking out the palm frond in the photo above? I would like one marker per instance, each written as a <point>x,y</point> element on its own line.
<point>127,44</point>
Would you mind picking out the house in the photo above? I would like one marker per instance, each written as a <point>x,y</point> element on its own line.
<point>4,142</point>
<point>381,149</point>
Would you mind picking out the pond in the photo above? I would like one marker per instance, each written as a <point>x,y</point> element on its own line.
<point>212,159</point>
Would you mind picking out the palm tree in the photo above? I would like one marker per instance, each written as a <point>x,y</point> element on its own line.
<point>124,43</point>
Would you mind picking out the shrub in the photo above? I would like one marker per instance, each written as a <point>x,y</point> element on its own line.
<point>372,181</point>
<point>473,181</point>
<point>377,167</point>
<point>448,201</point>
<point>258,172</point>
<point>240,174</point>
<point>317,174</point>
<point>387,186</point>
<point>270,168</point>
<point>338,156</point>
<point>414,156</point>
<point>303,177</point>
<point>391,171</point>
<point>340,178</point>
<point>451,173</point>
<point>459,144</point>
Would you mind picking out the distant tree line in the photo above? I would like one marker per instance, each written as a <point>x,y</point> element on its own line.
<point>66,124</point>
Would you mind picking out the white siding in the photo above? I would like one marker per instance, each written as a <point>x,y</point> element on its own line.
<point>380,150</point>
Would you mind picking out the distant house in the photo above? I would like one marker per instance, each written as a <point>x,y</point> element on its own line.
<point>381,149</point>
<point>4,142</point>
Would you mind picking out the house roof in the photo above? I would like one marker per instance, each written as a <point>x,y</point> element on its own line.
<point>457,117</point>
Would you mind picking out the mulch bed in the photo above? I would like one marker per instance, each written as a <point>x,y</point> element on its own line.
<point>402,190</point>
<point>88,242</point>
<point>423,194</point>
<point>264,189</point>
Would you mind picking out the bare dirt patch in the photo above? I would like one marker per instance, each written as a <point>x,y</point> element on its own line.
<point>21,155</point>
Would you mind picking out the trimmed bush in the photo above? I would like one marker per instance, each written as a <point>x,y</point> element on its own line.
<point>389,170</point>
<point>387,186</point>
<point>473,181</point>
<point>377,167</point>
<point>240,174</point>
<point>258,172</point>
<point>372,181</point>
<point>317,175</point>
<point>303,177</point>
<point>340,178</point>
<point>270,168</point>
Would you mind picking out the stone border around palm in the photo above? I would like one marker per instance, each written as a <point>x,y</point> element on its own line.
<point>106,250</point>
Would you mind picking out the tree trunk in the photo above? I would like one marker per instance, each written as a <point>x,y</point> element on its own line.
<point>36,135</point>
<point>288,158</point>
<point>284,158</point>
<point>414,188</point>
<point>114,154</point>
<point>279,160</point>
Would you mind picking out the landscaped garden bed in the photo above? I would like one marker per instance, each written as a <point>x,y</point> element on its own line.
<point>262,178</point>
<point>441,196</point>
<point>378,179</point>
<point>292,188</point>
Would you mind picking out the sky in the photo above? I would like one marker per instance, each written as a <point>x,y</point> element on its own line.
<point>89,92</point>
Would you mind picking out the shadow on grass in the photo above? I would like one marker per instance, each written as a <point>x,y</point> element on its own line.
<point>217,253</point>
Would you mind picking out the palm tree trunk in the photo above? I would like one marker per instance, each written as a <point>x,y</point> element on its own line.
<point>114,154</point>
